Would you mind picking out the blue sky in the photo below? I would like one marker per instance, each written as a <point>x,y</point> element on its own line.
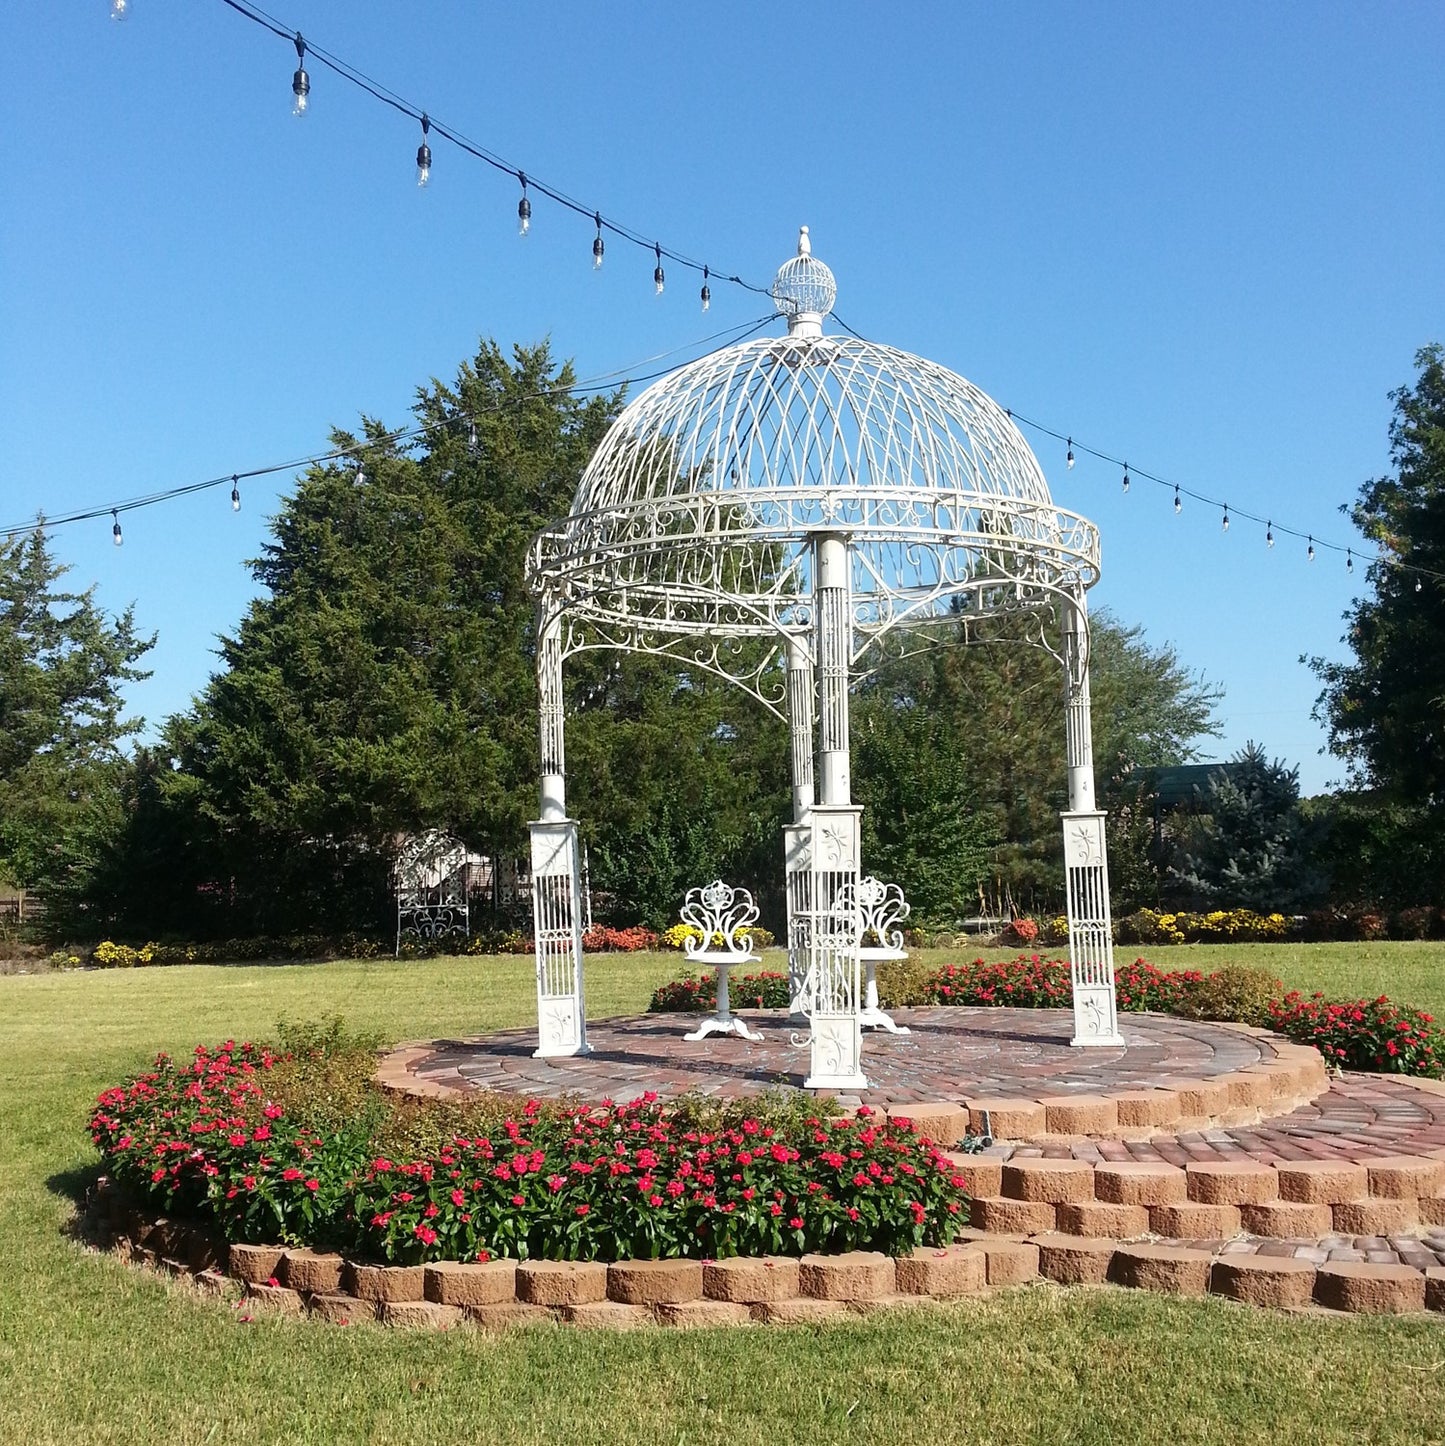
<point>1205,238</point>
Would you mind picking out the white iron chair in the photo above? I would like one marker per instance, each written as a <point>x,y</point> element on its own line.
<point>718,912</point>
<point>881,908</point>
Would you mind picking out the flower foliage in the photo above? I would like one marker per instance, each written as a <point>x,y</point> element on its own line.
<point>1373,1036</point>
<point>205,1137</point>
<point>1364,1034</point>
<point>640,1180</point>
<point>1027,982</point>
<point>627,1182</point>
<point>767,989</point>
<point>603,939</point>
<point>677,935</point>
<point>1219,926</point>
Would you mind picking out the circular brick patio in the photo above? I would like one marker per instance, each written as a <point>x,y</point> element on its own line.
<point>951,1056</point>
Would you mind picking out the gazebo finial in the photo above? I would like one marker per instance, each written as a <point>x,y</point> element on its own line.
<point>804,290</point>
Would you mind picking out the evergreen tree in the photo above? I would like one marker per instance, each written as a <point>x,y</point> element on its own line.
<point>383,682</point>
<point>62,723</point>
<point>1250,846</point>
<point>1385,709</point>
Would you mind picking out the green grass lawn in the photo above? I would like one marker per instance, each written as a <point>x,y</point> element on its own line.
<point>93,1351</point>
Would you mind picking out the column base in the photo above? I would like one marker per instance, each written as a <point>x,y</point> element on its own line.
<point>836,1082</point>
<point>1112,1041</point>
<point>562,1051</point>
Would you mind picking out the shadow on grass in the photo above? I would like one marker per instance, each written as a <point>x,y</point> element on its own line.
<point>74,1185</point>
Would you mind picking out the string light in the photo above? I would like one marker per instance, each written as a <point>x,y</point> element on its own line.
<point>524,207</point>
<point>472,436</point>
<point>1126,476</point>
<point>235,494</point>
<point>1310,554</point>
<point>1069,455</point>
<point>423,153</point>
<point>1418,584</point>
<point>1349,560</point>
<point>115,536</point>
<point>300,82</point>
<point>1225,525</point>
<point>1269,534</point>
<point>360,473</point>
<point>705,294</point>
<point>658,280</point>
<point>1178,505</point>
<point>597,247</point>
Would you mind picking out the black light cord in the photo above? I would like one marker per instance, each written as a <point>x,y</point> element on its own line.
<point>606,381</point>
<point>1227,512</point>
<point>378,91</point>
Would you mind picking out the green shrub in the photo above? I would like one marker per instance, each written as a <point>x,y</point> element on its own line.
<point>904,983</point>
<point>1234,994</point>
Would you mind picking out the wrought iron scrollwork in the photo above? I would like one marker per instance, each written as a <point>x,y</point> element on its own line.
<point>430,880</point>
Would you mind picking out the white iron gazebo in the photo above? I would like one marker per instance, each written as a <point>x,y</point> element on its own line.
<point>786,513</point>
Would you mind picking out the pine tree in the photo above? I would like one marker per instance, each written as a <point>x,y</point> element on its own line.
<point>63,666</point>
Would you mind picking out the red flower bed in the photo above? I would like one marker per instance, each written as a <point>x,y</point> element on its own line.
<point>767,989</point>
<point>604,1183</point>
<point>1142,988</point>
<point>603,939</point>
<point>1365,1034</point>
<point>626,1182</point>
<point>1028,982</point>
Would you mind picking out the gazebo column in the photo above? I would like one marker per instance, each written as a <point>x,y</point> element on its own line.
<point>1086,864</point>
<point>797,834</point>
<point>556,877</point>
<point>833,837</point>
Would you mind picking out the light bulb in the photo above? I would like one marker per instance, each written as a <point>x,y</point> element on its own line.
<point>300,82</point>
<point>1069,457</point>
<point>524,208</point>
<point>1310,553</point>
<point>423,155</point>
<point>472,435</point>
<point>235,496</point>
<point>1349,560</point>
<point>119,9</point>
<point>115,536</point>
<point>1418,584</point>
<point>1269,534</point>
<point>658,279</point>
<point>1178,505</point>
<point>360,472</point>
<point>706,294</point>
<point>1225,524</point>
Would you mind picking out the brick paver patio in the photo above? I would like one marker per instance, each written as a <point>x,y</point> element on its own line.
<point>950,1055</point>
<point>955,1055</point>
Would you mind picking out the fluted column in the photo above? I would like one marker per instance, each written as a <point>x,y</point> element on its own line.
<point>556,874</point>
<point>1086,863</point>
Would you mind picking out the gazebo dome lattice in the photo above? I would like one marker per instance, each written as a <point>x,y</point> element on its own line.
<point>782,513</point>
<point>696,514</point>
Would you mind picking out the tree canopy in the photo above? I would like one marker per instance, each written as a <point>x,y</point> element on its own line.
<point>383,682</point>
<point>1385,709</point>
<point>63,664</point>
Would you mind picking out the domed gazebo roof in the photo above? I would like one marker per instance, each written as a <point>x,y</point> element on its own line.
<point>695,515</point>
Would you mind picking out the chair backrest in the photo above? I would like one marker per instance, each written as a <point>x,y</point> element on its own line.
<point>881,910</point>
<point>719,912</point>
